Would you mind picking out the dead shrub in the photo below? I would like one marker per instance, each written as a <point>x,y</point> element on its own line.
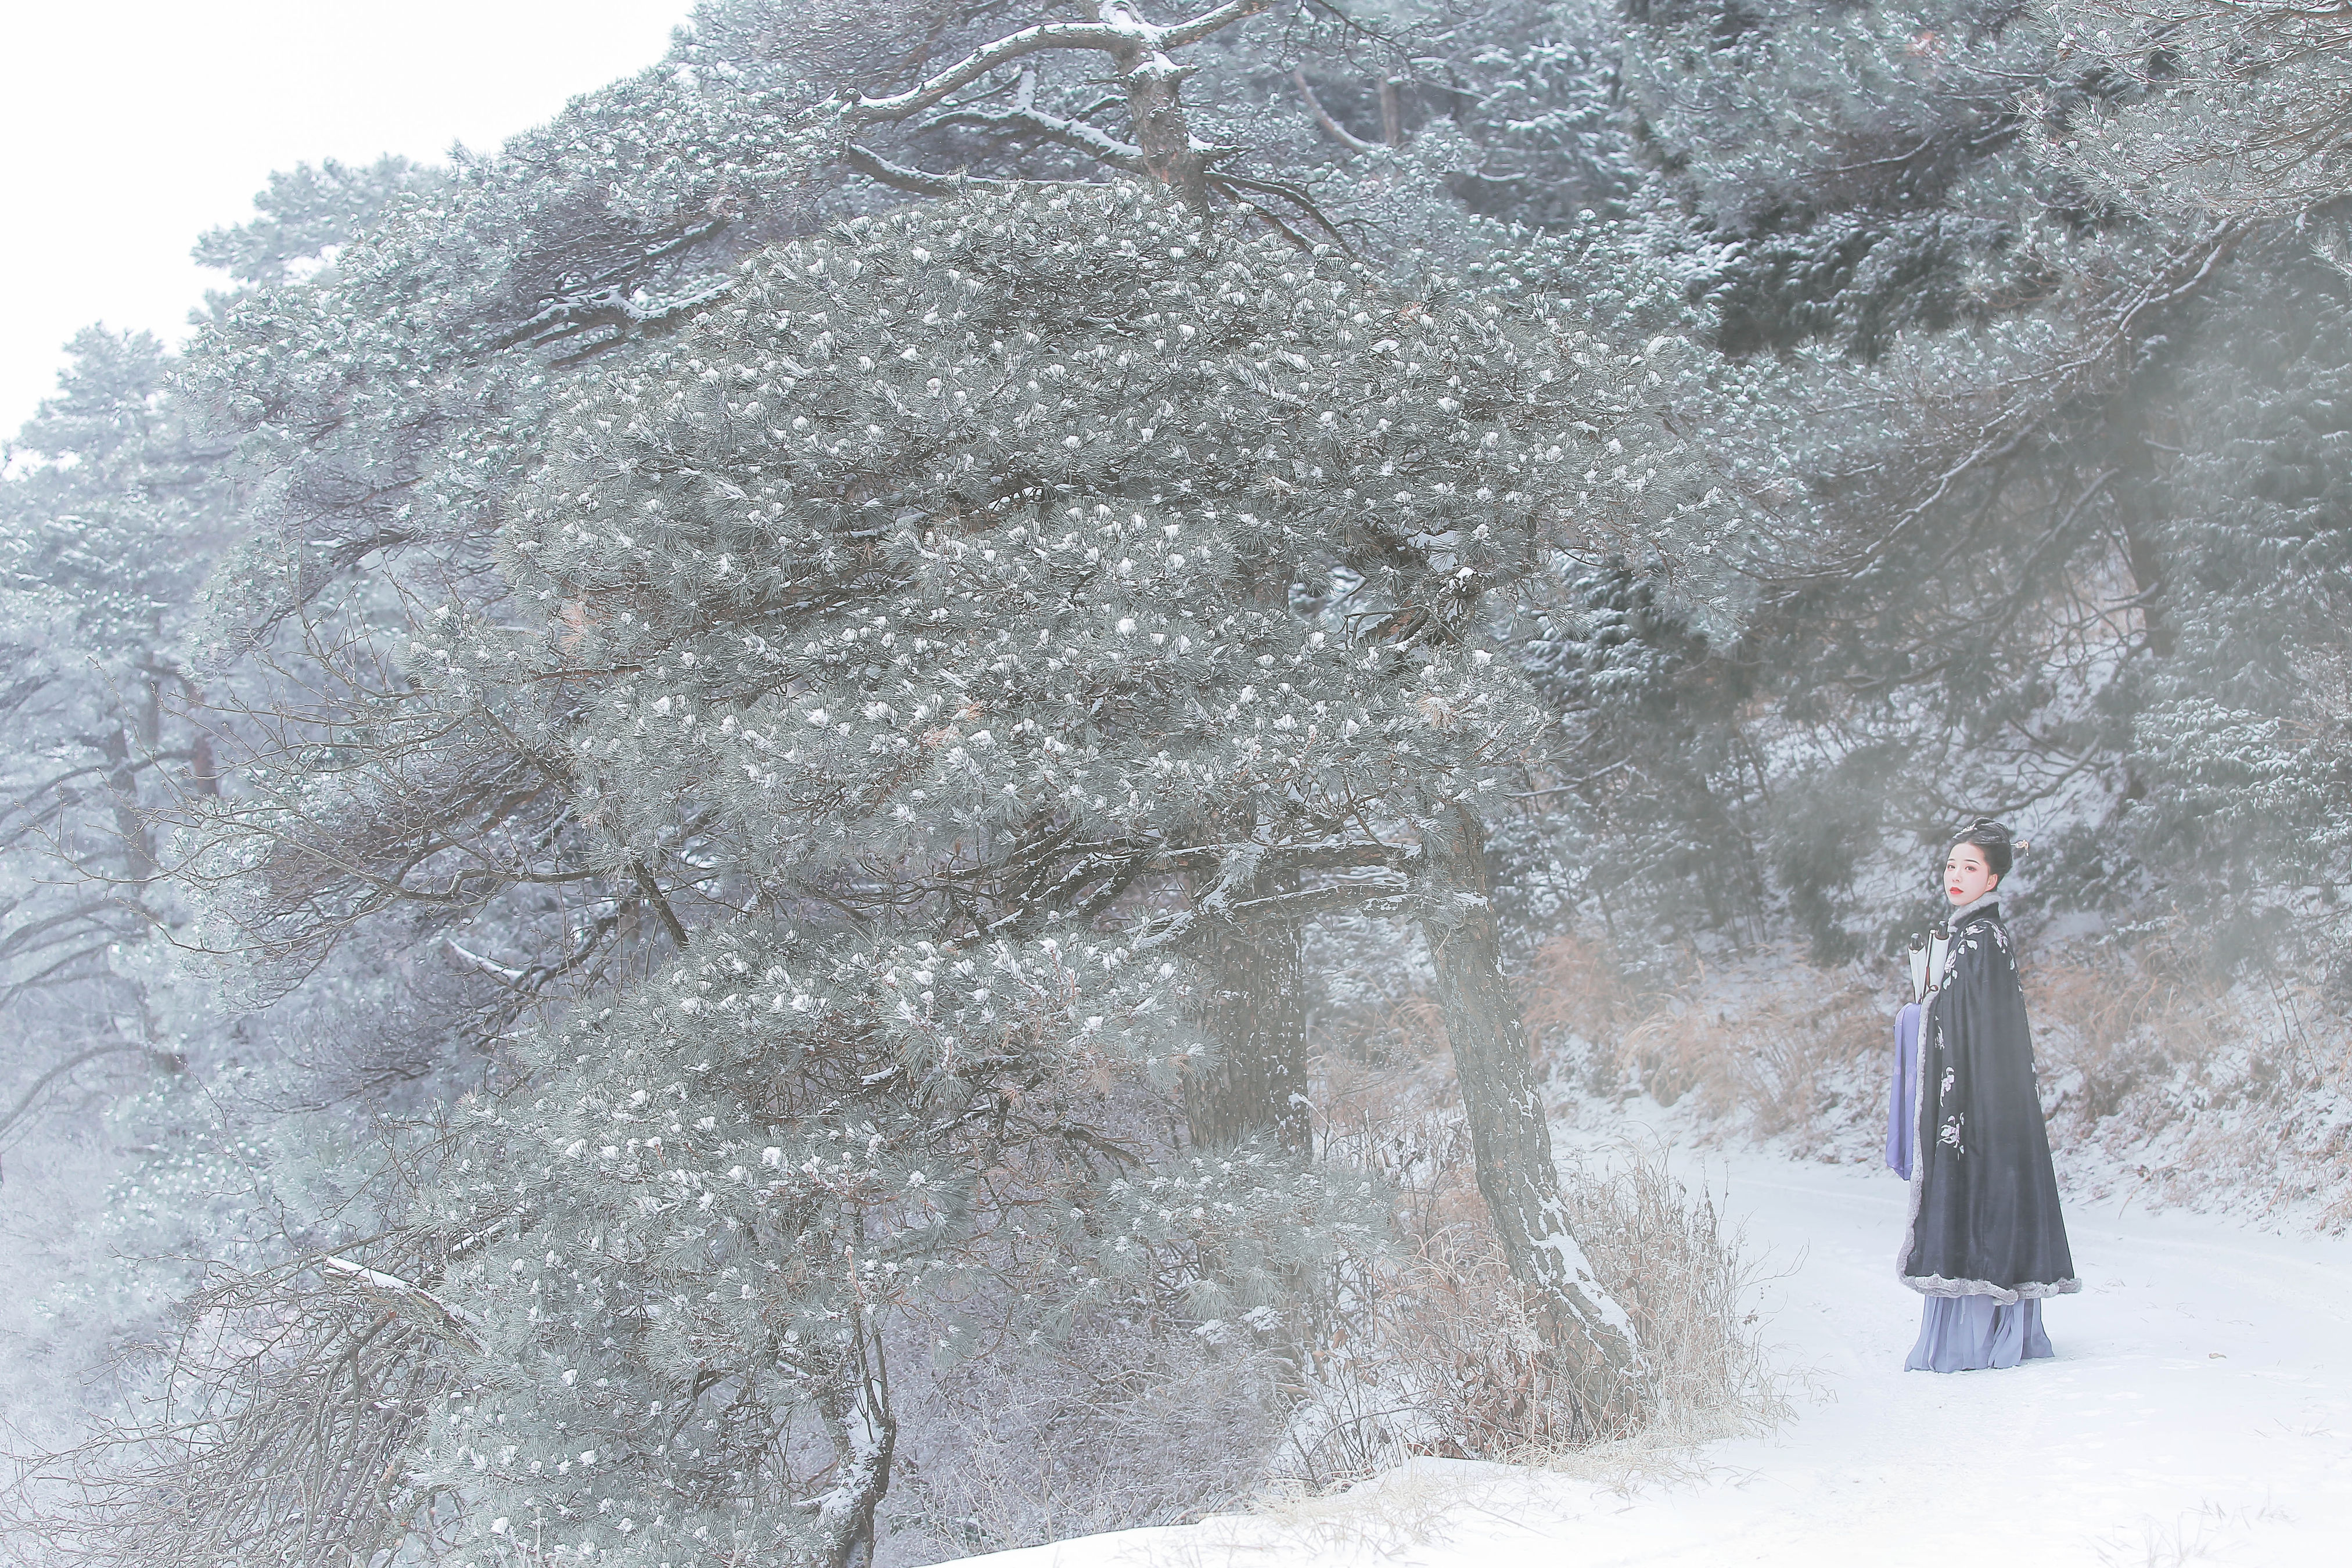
<point>1774,1040</point>
<point>2110,1021</point>
<point>1114,1428</point>
<point>1787,1058</point>
<point>1441,1354</point>
<point>1575,990</point>
<point>2167,1081</point>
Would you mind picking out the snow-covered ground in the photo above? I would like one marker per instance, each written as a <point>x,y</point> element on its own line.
<point>2200,1410</point>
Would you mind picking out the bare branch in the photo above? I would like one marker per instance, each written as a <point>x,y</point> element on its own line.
<point>1121,31</point>
<point>1208,22</point>
<point>978,64</point>
<point>1332,128</point>
<point>25,1102</point>
<point>414,1303</point>
<point>914,182</point>
<point>1072,133</point>
<point>652,891</point>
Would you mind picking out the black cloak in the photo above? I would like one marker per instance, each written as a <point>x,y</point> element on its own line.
<point>1984,1198</point>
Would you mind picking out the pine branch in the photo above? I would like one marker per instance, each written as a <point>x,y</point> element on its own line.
<point>914,182</point>
<point>1074,134</point>
<point>1120,32</point>
<point>1332,128</point>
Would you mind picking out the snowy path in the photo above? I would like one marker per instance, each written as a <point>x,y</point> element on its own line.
<point>2199,1409</point>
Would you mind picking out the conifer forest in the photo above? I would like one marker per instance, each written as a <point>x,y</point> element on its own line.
<point>974,771</point>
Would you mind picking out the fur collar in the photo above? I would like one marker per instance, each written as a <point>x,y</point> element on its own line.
<point>1988,906</point>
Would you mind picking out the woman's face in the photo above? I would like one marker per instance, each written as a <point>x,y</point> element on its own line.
<point>1966,878</point>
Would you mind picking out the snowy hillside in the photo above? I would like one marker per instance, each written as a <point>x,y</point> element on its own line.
<point>2200,1410</point>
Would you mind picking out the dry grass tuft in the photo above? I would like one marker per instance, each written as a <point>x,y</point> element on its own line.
<point>1411,1506</point>
<point>1575,989</point>
<point>2110,1022</point>
<point>1773,1042</point>
<point>1439,1355</point>
<point>2167,1082</point>
<point>1662,1250</point>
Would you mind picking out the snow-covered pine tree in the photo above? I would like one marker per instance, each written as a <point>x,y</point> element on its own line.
<point>386,405</point>
<point>2236,111</point>
<point>306,214</point>
<point>133,1106</point>
<point>990,570</point>
<point>1829,173</point>
<point>1964,580</point>
<point>2071,544</point>
<point>2231,123</point>
<point>399,335</point>
<point>689,1248</point>
<point>105,532</point>
<point>126,1095</point>
<point>1646,784</point>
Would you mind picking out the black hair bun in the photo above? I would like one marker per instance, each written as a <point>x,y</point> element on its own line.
<point>1993,840</point>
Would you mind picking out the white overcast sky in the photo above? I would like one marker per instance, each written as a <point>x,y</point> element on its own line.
<point>133,126</point>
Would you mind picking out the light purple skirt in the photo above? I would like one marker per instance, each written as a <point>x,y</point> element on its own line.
<point>1975,1333</point>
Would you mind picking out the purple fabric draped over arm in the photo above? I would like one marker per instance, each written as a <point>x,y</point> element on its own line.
<point>1899,1128</point>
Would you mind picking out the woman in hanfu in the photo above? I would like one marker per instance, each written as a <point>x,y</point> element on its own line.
<point>1985,1241</point>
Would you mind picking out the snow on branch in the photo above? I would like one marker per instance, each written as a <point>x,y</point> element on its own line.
<point>1121,31</point>
<point>1073,134</point>
<point>914,182</point>
<point>413,1303</point>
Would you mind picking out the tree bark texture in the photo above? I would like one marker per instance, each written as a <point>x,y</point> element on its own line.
<point>1155,107</point>
<point>1509,1137</point>
<point>1253,1012</point>
<point>856,1406</point>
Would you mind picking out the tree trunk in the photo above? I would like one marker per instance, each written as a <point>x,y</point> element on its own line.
<point>2148,583</point>
<point>122,784</point>
<point>1156,110</point>
<point>1255,1015</point>
<point>1509,1137</point>
<point>856,1406</point>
